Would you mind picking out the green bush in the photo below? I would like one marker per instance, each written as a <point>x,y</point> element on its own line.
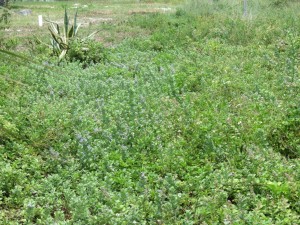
<point>5,13</point>
<point>285,138</point>
<point>86,52</point>
<point>279,2</point>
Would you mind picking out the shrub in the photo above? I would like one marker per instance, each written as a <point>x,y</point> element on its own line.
<point>285,137</point>
<point>278,2</point>
<point>86,52</point>
<point>4,13</point>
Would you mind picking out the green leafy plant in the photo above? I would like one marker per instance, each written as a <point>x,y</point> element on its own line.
<point>285,137</point>
<point>86,52</point>
<point>7,129</point>
<point>5,13</point>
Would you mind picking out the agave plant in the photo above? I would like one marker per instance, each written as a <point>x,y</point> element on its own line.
<point>62,36</point>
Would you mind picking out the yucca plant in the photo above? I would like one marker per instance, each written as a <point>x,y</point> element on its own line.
<point>61,36</point>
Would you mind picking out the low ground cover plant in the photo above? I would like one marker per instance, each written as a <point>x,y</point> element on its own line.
<point>195,123</point>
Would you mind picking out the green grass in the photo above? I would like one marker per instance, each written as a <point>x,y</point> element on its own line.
<point>190,119</point>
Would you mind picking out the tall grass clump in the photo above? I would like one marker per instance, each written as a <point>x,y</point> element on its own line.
<point>236,8</point>
<point>227,22</point>
<point>211,7</point>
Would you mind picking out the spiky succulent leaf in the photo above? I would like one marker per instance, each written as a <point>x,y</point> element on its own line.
<point>75,23</point>
<point>62,54</point>
<point>71,32</point>
<point>66,22</point>
<point>76,29</point>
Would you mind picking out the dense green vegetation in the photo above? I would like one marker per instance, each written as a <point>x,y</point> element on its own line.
<point>197,121</point>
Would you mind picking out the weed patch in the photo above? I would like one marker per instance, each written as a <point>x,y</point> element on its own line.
<point>195,123</point>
